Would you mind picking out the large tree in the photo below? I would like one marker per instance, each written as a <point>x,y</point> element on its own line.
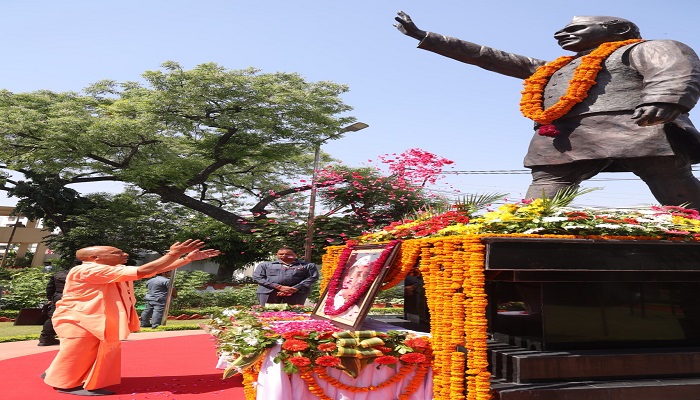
<point>130,221</point>
<point>214,140</point>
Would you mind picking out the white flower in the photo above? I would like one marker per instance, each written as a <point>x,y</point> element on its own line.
<point>230,312</point>
<point>251,340</point>
<point>609,226</point>
<point>554,219</point>
<point>533,230</point>
<point>574,226</point>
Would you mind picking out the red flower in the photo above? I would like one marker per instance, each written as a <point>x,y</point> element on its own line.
<point>328,361</point>
<point>295,335</point>
<point>548,130</point>
<point>417,343</point>
<point>384,349</point>
<point>325,335</point>
<point>295,345</point>
<point>327,346</point>
<point>413,358</point>
<point>300,361</point>
<point>386,360</point>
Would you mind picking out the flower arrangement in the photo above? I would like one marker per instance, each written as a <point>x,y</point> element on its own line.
<point>240,337</point>
<point>310,355</point>
<point>540,216</point>
<point>425,224</point>
<point>310,346</point>
<point>451,261</point>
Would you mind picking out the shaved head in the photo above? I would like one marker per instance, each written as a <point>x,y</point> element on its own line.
<point>104,254</point>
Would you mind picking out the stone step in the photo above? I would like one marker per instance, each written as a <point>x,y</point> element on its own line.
<point>650,389</point>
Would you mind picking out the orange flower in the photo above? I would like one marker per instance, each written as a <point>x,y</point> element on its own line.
<point>328,361</point>
<point>579,85</point>
<point>413,358</point>
<point>295,345</point>
<point>386,360</point>
<point>300,361</point>
<point>327,346</point>
<point>295,334</point>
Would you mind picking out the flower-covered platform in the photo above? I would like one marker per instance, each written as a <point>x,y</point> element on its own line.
<point>285,355</point>
<point>510,288</point>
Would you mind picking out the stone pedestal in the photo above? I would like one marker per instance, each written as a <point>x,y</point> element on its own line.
<point>591,319</point>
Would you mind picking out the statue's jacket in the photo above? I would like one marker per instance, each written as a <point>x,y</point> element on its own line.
<point>600,127</point>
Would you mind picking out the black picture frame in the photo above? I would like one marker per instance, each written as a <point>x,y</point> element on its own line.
<point>353,318</point>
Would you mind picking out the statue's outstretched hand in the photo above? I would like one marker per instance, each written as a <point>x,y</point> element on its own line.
<point>407,27</point>
<point>656,113</point>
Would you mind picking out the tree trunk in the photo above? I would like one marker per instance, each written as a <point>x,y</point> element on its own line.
<point>225,273</point>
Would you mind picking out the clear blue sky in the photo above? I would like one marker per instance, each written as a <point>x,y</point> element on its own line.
<point>409,97</point>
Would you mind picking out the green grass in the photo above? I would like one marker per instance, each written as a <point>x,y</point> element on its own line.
<point>13,333</point>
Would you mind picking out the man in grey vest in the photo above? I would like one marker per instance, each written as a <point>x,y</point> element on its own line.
<point>618,104</point>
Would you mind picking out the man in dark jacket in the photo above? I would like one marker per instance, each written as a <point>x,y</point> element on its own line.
<point>285,280</point>
<point>158,289</point>
<point>634,116</point>
<point>54,292</point>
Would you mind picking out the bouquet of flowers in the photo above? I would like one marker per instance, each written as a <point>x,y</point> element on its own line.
<point>549,216</point>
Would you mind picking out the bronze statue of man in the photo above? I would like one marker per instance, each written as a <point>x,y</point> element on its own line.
<point>618,104</point>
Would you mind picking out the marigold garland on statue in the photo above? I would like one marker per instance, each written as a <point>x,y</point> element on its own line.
<point>584,78</point>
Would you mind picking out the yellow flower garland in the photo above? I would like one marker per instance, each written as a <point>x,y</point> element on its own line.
<point>582,81</point>
<point>329,262</point>
<point>406,260</point>
<point>250,376</point>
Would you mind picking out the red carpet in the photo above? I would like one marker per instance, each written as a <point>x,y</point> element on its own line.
<point>175,368</point>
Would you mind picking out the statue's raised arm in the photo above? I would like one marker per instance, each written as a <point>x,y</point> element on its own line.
<point>406,26</point>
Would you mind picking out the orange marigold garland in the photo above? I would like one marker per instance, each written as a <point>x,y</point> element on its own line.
<point>584,78</point>
<point>404,263</point>
<point>421,369</point>
<point>329,262</point>
<point>250,376</point>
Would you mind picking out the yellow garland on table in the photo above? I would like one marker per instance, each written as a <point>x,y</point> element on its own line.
<point>582,81</point>
<point>250,376</point>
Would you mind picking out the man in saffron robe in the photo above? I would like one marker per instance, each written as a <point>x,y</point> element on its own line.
<point>97,312</point>
<point>634,118</point>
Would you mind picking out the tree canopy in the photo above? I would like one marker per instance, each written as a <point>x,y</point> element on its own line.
<point>210,139</point>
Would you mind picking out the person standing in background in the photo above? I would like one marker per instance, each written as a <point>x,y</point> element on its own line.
<point>54,292</point>
<point>156,298</point>
<point>285,280</point>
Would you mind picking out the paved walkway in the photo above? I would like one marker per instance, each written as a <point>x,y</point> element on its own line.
<point>27,347</point>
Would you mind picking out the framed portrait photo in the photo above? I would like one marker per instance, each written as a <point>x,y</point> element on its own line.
<point>351,291</point>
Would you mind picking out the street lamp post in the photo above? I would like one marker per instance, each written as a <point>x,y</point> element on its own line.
<point>312,198</point>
